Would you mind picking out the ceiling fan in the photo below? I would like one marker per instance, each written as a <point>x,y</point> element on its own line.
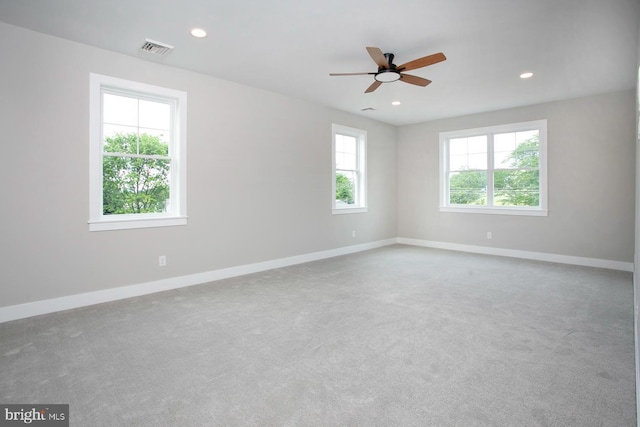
<point>390,72</point>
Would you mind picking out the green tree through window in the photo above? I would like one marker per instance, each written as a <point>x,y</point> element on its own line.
<point>132,184</point>
<point>516,181</point>
<point>520,184</point>
<point>468,187</point>
<point>344,189</point>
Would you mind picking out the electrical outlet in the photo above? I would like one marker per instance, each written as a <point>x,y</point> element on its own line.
<point>162,260</point>
<point>353,233</point>
<point>489,235</point>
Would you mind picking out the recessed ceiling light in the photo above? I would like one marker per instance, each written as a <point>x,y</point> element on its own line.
<point>395,103</point>
<point>526,75</point>
<point>199,33</point>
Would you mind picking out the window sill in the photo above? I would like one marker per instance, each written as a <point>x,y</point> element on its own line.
<point>495,210</point>
<point>130,223</point>
<point>341,211</point>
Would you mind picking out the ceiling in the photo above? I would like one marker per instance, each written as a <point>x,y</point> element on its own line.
<point>574,47</point>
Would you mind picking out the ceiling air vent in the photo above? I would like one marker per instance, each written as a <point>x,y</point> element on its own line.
<point>156,48</point>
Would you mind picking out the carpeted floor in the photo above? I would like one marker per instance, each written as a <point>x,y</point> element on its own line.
<point>397,336</point>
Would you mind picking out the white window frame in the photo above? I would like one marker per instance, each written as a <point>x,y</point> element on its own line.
<point>177,212</point>
<point>360,202</point>
<point>445,206</point>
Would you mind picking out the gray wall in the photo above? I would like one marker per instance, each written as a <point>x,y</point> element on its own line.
<point>259,176</point>
<point>591,155</point>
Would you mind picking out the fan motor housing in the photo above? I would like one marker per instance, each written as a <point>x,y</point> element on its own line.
<point>388,75</point>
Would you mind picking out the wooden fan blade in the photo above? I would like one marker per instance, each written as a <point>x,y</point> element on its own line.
<point>378,57</point>
<point>351,74</point>
<point>375,85</point>
<point>414,80</point>
<point>423,62</point>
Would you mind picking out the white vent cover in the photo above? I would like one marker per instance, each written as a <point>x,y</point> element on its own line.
<point>156,48</point>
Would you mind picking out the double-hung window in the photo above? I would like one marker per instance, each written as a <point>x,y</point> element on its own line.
<point>137,155</point>
<point>497,169</point>
<point>349,189</point>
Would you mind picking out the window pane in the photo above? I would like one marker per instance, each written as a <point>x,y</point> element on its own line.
<point>111,132</point>
<point>501,159</point>
<point>504,142</point>
<point>468,188</point>
<point>527,152</point>
<point>132,143</point>
<point>339,143</point>
<point>503,146</point>
<point>458,162</point>
<point>516,188</point>
<point>458,146</point>
<point>346,152</point>
<point>478,144</point>
<point>345,188</point>
<point>345,143</point>
<point>125,117</point>
<point>134,185</point>
<point>152,145</point>
<point>155,115</point>
<point>121,142</point>
<point>516,150</point>
<point>160,136</point>
<point>120,110</point>
<point>526,135</point>
<point>468,153</point>
<point>345,161</point>
<point>478,161</point>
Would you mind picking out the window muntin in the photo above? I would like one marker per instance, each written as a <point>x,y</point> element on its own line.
<point>500,169</point>
<point>349,173</point>
<point>138,155</point>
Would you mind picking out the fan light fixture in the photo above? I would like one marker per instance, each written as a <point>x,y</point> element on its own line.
<point>387,76</point>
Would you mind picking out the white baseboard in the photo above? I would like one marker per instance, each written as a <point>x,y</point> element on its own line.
<point>514,253</point>
<point>37,308</point>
